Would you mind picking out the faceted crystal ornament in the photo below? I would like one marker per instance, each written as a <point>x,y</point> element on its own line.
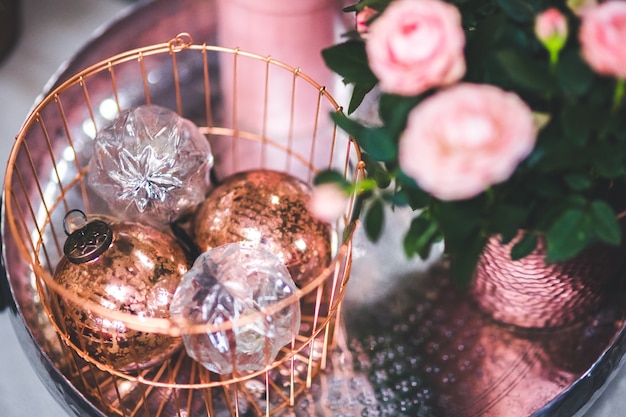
<point>150,165</point>
<point>266,209</point>
<point>136,274</point>
<point>229,283</point>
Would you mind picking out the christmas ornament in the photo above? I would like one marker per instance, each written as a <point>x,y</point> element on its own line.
<point>266,209</point>
<point>231,282</point>
<point>150,165</point>
<point>125,267</point>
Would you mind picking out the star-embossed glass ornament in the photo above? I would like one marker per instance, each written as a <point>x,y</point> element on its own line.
<point>230,283</point>
<point>150,165</point>
<point>126,268</point>
<point>266,209</point>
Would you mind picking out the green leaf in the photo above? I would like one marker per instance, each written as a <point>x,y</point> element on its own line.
<point>574,75</point>
<point>394,109</point>
<point>518,10</point>
<point>374,220</point>
<point>578,181</point>
<point>525,72</point>
<point>375,141</point>
<point>524,246</point>
<point>331,176</point>
<point>358,95</point>
<point>507,219</point>
<point>576,122</point>
<point>376,171</point>
<point>349,60</point>
<point>605,222</point>
<point>413,194</point>
<point>378,143</point>
<point>422,233</point>
<point>374,4</point>
<point>606,161</point>
<point>461,222</point>
<point>569,234</point>
<point>462,265</point>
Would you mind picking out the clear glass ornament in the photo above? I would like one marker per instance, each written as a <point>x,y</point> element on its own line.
<point>150,165</point>
<point>227,283</point>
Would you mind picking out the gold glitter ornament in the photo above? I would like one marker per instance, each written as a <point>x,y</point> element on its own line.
<point>126,268</point>
<point>266,209</point>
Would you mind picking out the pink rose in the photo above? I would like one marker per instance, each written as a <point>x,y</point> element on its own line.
<point>415,45</point>
<point>362,19</point>
<point>464,139</point>
<point>328,202</point>
<point>551,28</point>
<point>603,38</point>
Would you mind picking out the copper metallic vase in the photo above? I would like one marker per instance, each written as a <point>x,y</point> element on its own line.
<point>531,293</point>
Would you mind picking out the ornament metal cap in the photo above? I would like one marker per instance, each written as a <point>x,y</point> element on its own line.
<point>87,242</point>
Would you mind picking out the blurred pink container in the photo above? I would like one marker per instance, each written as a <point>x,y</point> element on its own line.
<point>266,99</point>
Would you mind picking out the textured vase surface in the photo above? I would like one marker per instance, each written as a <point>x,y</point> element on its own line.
<point>532,293</point>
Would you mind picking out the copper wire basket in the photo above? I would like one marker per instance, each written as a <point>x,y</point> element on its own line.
<point>46,178</point>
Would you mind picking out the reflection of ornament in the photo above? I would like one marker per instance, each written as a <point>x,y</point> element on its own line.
<point>150,165</point>
<point>127,268</point>
<point>231,282</point>
<point>266,209</point>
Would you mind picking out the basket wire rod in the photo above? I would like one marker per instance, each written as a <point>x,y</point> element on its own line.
<point>266,344</point>
<point>83,86</point>
<point>333,143</point>
<point>192,378</point>
<point>172,374</point>
<point>176,394</point>
<point>114,86</point>
<point>292,369</point>
<point>278,390</point>
<point>70,141</point>
<point>264,162</point>
<point>315,131</point>
<point>53,301</point>
<point>333,301</point>
<point>250,399</point>
<point>35,255</point>
<point>231,403</point>
<point>235,124</point>
<point>318,302</point>
<point>295,353</point>
<point>46,136</point>
<point>179,102</point>
<point>144,78</point>
<point>346,165</point>
<point>119,396</point>
<point>207,87</point>
<point>357,175</point>
<point>207,393</point>
<point>292,111</point>
<point>43,202</point>
<point>266,381</point>
<point>142,402</point>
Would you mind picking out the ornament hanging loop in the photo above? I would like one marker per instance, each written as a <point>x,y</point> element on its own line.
<point>73,220</point>
<point>181,41</point>
<point>86,240</point>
